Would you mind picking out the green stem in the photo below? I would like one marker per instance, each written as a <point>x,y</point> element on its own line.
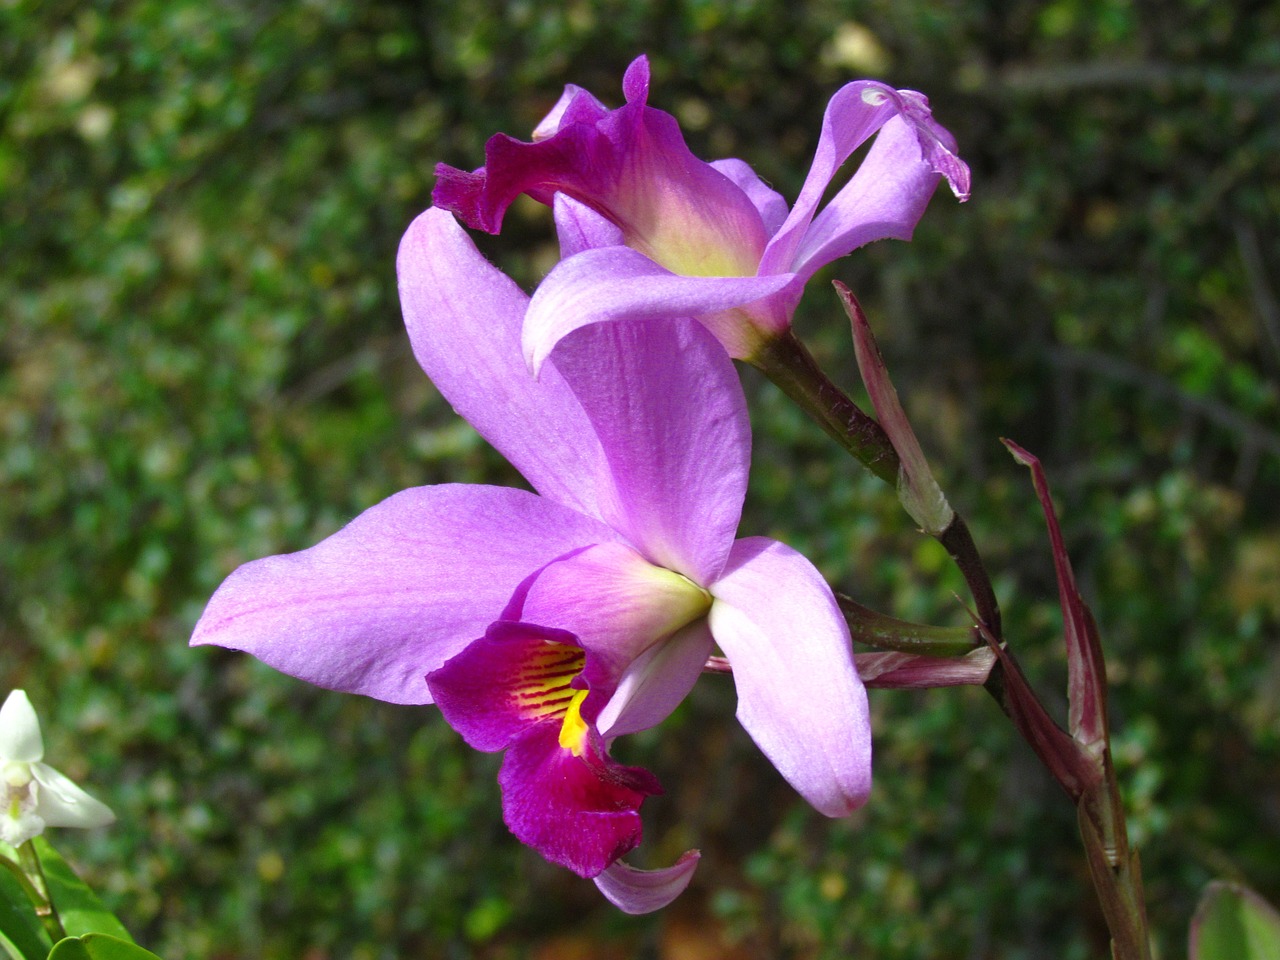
<point>884,632</point>
<point>1113,864</point>
<point>787,362</point>
<point>1114,868</point>
<point>36,885</point>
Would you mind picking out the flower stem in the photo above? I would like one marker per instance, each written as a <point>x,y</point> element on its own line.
<point>787,362</point>
<point>38,890</point>
<point>959,544</point>
<point>883,632</point>
<point>1113,865</point>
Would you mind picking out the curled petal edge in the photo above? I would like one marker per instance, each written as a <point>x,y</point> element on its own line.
<point>637,891</point>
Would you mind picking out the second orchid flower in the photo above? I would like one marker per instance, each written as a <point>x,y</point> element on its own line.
<point>709,240</point>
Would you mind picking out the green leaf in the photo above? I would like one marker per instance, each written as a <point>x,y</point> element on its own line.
<point>1232,922</point>
<point>99,946</point>
<point>21,934</point>
<point>78,907</point>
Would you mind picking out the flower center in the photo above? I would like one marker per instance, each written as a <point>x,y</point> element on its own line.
<point>16,774</point>
<point>16,789</point>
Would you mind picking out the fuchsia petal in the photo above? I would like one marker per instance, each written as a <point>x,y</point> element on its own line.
<point>574,106</point>
<point>464,317</point>
<point>614,601</point>
<point>854,113</point>
<point>668,408</point>
<point>799,696</point>
<point>396,592</point>
<point>656,681</point>
<point>570,154</point>
<point>513,677</point>
<point>629,164</point>
<point>618,283</point>
<point>637,891</point>
<point>580,812</point>
<point>581,228</point>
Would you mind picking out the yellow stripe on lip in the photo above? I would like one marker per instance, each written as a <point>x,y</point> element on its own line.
<point>542,691</point>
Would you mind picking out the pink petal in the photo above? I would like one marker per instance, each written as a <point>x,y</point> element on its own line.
<point>396,592</point>
<point>464,317</point>
<point>618,283</point>
<point>799,696</point>
<point>581,228</point>
<point>637,891</point>
<point>614,601</point>
<point>885,199</point>
<point>668,408</point>
<point>656,682</point>
<point>855,112</point>
<point>769,203</point>
<point>579,812</point>
<point>574,106</point>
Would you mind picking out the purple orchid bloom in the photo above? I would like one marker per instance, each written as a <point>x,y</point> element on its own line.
<point>709,240</point>
<point>596,600</point>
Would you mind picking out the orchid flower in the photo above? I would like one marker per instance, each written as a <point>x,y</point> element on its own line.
<point>33,795</point>
<point>550,623</point>
<point>690,238</point>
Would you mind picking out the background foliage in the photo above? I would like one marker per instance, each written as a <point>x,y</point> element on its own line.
<point>202,362</point>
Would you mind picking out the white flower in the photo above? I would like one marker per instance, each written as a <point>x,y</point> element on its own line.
<point>33,795</point>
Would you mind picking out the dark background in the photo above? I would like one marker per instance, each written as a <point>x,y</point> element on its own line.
<point>202,362</point>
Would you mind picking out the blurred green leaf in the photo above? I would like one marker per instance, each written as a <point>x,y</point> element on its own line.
<point>79,908</point>
<point>1234,923</point>
<point>21,934</point>
<point>99,946</point>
